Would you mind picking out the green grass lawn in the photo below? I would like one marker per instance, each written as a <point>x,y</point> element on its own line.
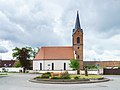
<point>87,77</point>
<point>78,77</point>
<point>3,74</point>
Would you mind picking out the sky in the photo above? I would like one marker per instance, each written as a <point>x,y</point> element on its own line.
<point>37,23</point>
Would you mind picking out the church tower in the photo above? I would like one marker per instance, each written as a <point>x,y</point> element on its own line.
<point>77,40</point>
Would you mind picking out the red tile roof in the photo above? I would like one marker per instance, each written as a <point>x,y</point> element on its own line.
<point>55,53</point>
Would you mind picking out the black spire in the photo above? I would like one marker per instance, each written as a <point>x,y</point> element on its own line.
<point>77,24</point>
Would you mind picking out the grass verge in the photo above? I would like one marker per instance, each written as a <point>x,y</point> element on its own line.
<point>87,77</point>
<point>3,74</point>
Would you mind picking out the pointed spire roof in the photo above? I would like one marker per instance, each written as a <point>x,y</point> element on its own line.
<point>77,24</point>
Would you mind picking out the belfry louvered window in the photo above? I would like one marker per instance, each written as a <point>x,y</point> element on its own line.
<point>78,39</point>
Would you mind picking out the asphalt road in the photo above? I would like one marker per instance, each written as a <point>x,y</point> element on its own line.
<point>20,82</point>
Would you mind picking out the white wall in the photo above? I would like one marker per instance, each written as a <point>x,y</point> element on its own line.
<point>1,70</point>
<point>58,64</point>
<point>100,71</point>
<point>36,64</point>
<point>11,69</point>
<point>70,72</point>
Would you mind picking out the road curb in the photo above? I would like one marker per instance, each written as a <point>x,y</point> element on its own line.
<point>68,82</point>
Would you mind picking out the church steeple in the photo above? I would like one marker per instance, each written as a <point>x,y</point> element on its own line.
<point>77,24</point>
<point>77,38</point>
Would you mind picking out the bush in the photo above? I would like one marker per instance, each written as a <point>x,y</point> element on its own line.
<point>37,77</point>
<point>46,75</point>
<point>91,66</point>
<point>65,75</point>
<point>26,71</point>
<point>18,64</point>
<point>118,67</point>
<point>76,77</point>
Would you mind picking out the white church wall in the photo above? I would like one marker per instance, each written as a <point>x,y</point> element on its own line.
<point>47,64</point>
<point>36,64</point>
<point>58,64</point>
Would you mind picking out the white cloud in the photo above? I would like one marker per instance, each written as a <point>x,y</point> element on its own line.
<point>38,23</point>
<point>3,49</point>
<point>6,49</point>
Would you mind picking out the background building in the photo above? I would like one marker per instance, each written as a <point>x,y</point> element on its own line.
<point>103,64</point>
<point>7,63</point>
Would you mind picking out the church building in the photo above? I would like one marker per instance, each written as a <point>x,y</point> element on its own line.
<point>58,57</point>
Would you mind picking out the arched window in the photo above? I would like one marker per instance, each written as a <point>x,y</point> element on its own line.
<point>78,39</point>
<point>52,66</point>
<point>40,66</point>
<point>64,66</point>
<point>78,56</point>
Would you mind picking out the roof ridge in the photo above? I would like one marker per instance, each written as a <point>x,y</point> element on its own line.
<point>56,46</point>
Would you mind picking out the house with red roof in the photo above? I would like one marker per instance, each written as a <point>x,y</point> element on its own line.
<point>58,57</point>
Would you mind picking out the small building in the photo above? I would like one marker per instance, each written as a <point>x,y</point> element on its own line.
<point>7,63</point>
<point>53,58</point>
<point>103,64</point>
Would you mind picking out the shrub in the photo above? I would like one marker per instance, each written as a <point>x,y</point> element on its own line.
<point>37,77</point>
<point>46,75</point>
<point>118,67</point>
<point>18,64</point>
<point>91,66</point>
<point>76,77</point>
<point>65,75</point>
<point>26,71</point>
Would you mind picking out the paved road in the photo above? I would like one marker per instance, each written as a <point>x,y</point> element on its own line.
<point>20,82</point>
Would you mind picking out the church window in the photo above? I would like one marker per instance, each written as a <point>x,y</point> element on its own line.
<point>40,66</point>
<point>78,47</point>
<point>52,66</point>
<point>78,39</point>
<point>78,56</point>
<point>64,66</point>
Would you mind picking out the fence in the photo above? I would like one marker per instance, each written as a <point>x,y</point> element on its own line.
<point>10,69</point>
<point>93,72</point>
<point>111,71</point>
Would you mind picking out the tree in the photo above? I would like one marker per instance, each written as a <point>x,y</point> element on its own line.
<point>18,64</point>
<point>86,71</point>
<point>91,66</point>
<point>24,55</point>
<point>33,51</point>
<point>74,64</point>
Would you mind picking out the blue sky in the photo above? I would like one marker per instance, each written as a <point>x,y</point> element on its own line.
<point>39,23</point>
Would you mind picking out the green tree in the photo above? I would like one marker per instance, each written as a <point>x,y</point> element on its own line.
<point>18,64</point>
<point>24,55</point>
<point>32,51</point>
<point>91,66</point>
<point>74,64</point>
<point>86,71</point>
